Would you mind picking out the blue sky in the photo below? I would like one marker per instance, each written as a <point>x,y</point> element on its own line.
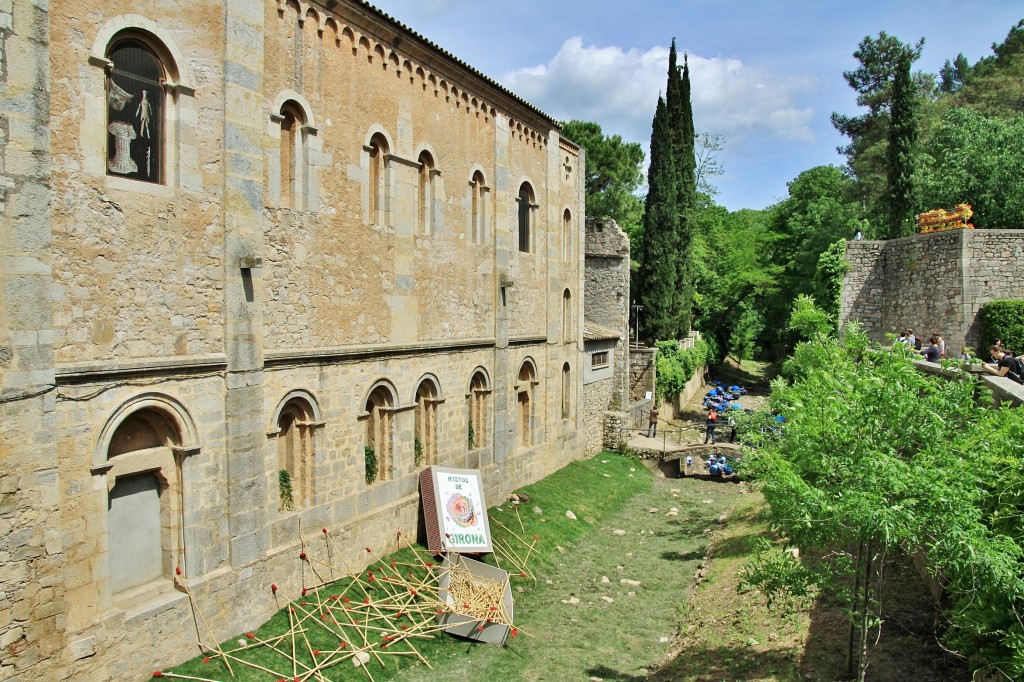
<point>766,74</point>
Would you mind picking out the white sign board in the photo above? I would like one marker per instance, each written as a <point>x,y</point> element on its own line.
<point>461,510</point>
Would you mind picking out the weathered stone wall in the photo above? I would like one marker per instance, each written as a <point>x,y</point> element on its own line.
<point>597,396</point>
<point>606,292</point>
<point>201,305</point>
<point>31,549</point>
<point>932,283</point>
<point>642,373</point>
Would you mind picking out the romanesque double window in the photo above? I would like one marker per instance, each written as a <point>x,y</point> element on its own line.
<point>135,111</point>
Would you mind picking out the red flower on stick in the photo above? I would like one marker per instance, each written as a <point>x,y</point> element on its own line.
<point>273,587</point>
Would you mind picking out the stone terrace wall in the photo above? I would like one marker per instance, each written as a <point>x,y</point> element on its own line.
<point>933,283</point>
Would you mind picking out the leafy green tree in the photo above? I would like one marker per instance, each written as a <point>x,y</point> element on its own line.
<point>614,173</point>
<point>873,81</point>
<point>879,459</point>
<point>995,84</point>
<point>976,159</point>
<point>656,279</point>
<point>819,211</point>
<point>902,137</point>
<point>733,273</point>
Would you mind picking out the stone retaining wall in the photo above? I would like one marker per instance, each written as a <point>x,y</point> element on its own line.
<point>932,283</point>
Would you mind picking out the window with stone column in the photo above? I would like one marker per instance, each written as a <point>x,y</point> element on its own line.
<point>426,193</point>
<point>296,455</point>
<point>525,388</point>
<point>478,208</point>
<point>478,431</point>
<point>425,439</point>
<point>379,414</point>
<point>379,180</point>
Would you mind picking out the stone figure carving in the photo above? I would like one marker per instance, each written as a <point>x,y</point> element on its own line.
<point>122,162</point>
<point>117,96</point>
<point>144,112</point>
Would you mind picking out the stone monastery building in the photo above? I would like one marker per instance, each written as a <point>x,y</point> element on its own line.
<point>250,250</point>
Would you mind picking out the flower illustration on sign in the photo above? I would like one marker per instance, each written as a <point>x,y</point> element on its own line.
<point>460,508</point>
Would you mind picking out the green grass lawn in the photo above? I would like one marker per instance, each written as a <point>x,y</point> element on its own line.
<point>577,619</point>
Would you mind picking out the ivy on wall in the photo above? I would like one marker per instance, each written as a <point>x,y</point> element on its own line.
<point>677,366</point>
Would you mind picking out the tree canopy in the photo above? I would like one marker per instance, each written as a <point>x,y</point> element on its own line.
<point>614,174</point>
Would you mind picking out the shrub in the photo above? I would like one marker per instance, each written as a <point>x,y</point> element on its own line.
<point>676,366</point>
<point>1002,319</point>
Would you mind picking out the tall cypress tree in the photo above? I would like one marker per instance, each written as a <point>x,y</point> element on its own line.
<point>686,203</point>
<point>902,136</point>
<point>664,280</point>
<point>657,276</point>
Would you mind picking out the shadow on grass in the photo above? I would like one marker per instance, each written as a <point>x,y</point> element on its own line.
<point>705,664</point>
<point>908,648</point>
<point>695,555</point>
<point>606,673</point>
<point>737,546</point>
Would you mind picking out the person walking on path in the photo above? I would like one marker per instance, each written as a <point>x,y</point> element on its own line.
<point>712,421</point>
<point>652,423</point>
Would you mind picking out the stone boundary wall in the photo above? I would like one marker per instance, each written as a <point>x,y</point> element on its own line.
<point>932,283</point>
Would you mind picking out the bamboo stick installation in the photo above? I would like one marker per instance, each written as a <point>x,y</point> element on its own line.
<point>376,613</point>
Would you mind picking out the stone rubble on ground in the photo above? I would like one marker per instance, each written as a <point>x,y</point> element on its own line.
<point>618,532</point>
<point>536,510</point>
<point>604,579</point>
<point>571,601</point>
<point>569,515</point>
<point>630,582</point>
<point>607,599</point>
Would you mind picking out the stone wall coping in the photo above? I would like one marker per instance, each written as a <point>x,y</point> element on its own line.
<point>75,372</point>
<point>1006,390</point>
<point>313,355</point>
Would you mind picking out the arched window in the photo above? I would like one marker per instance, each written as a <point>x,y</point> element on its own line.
<point>566,316</point>
<point>295,456</point>
<point>425,192</point>
<point>566,235</point>
<point>524,400</point>
<point>478,208</point>
<point>379,406</point>
<point>477,427</point>
<point>135,111</point>
<point>566,391</point>
<point>379,180</point>
<point>526,210</point>
<point>425,442</point>
<point>144,501</point>
<point>293,155</point>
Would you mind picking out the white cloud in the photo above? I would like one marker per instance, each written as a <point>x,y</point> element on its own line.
<point>619,89</point>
